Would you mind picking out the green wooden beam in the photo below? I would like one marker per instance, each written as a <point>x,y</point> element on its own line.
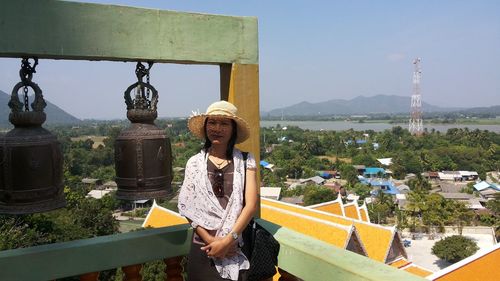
<point>311,259</point>
<point>300,255</point>
<point>53,261</point>
<point>83,31</point>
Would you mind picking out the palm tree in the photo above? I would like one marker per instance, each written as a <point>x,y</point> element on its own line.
<point>416,206</point>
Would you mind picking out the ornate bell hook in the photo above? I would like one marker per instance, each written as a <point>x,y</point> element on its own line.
<point>31,157</point>
<point>143,157</point>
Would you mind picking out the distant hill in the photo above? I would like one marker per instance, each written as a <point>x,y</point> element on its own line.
<point>495,110</point>
<point>359,105</point>
<point>55,115</point>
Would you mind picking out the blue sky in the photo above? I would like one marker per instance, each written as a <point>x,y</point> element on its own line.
<point>309,51</point>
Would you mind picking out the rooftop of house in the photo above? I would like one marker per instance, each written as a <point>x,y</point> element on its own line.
<point>373,170</point>
<point>485,185</point>
<point>270,192</point>
<point>456,195</point>
<point>315,179</point>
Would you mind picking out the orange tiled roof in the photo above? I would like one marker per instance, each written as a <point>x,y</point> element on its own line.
<point>351,210</point>
<point>376,239</point>
<point>417,270</point>
<point>482,266</point>
<point>400,263</point>
<point>335,207</point>
<point>162,217</point>
<point>363,213</point>
<point>334,234</point>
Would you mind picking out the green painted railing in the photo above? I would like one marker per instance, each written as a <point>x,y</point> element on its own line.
<point>311,259</point>
<point>49,262</point>
<point>300,255</point>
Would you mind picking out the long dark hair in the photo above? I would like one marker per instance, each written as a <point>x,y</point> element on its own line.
<point>230,144</point>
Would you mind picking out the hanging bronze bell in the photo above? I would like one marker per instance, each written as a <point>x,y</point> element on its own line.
<point>32,160</point>
<point>143,157</point>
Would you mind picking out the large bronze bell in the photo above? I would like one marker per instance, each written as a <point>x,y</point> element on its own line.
<point>32,161</point>
<point>143,157</point>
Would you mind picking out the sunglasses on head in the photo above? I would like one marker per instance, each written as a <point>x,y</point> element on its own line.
<point>218,185</point>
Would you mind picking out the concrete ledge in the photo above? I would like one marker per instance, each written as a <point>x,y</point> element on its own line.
<point>83,31</point>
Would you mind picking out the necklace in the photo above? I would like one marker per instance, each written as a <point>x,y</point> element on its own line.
<point>220,164</point>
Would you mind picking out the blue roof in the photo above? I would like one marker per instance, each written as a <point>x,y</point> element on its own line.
<point>386,186</point>
<point>325,175</point>
<point>263,163</point>
<point>373,171</point>
<point>360,141</point>
<point>483,185</point>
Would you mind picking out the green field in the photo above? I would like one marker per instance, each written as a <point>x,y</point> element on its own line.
<point>98,140</point>
<point>130,225</point>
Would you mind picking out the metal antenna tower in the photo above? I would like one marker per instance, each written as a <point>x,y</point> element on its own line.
<point>416,126</point>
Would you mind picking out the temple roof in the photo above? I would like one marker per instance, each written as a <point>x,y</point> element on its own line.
<point>376,239</point>
<point>161,217</point>
<point>481,266</point>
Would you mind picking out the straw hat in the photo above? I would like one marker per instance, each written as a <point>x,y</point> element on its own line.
<point>219,109</point>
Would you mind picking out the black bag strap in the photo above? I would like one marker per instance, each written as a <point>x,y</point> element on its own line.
<point>245,157</point>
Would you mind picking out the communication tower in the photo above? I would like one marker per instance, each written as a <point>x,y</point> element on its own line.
<point>416,126</point>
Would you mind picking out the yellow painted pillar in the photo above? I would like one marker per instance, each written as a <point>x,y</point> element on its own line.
<point>240,86</point>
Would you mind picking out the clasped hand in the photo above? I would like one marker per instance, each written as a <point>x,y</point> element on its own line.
<point>221,247</point>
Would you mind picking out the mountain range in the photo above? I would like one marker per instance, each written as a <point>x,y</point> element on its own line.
<point>388,104</point>
<point>385,104</point>
<point>55,115</point>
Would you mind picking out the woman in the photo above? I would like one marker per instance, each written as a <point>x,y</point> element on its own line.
<point>214,196</point>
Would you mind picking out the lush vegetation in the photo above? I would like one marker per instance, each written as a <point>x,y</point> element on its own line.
<point>454,248</point>
<point>295,153</point>
<point>301,153</point>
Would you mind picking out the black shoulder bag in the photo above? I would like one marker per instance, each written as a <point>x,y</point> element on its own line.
<point>259,246</point>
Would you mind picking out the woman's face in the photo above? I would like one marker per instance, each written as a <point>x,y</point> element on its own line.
<point>219,130</point>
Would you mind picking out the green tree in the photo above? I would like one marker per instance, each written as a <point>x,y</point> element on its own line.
<point>365,158</point>
<point>419,183</point>
<point>401,220</point>
<point>382,208</point>
<point>362,190</point>
<point>415,207</point>
<point>462,215</point>
<point>404,162</point>
<point>434,215</point>
<point>379,212</point>
<point>469,188</point>
<point>494,207</point>
<point>349,173</point>
<point>91,214</point>
<point>270,178</point>
<point>454,248</point>
<point>317,194</point>
<point>82,218</point>
<point>17,232</point>
<point>153,271</point>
